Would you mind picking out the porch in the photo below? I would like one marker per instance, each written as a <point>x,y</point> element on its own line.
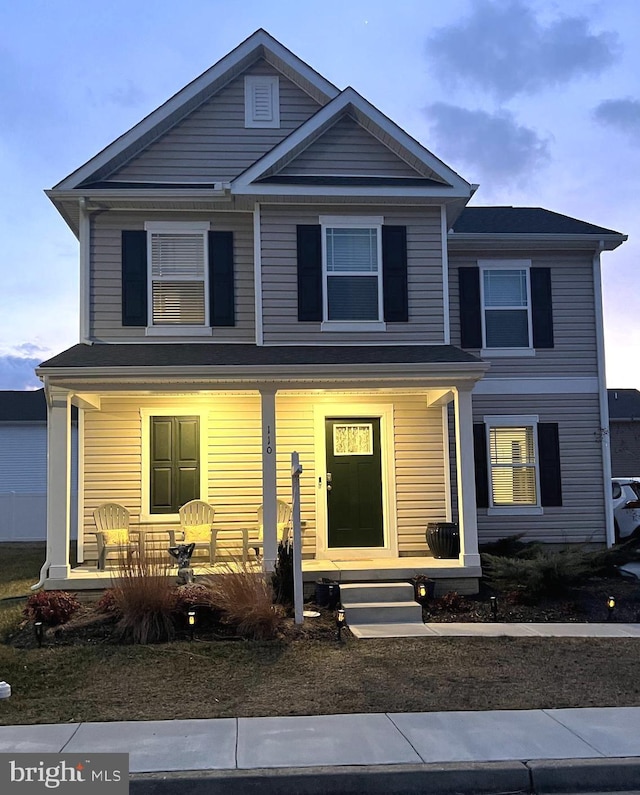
<point>242,427</point>
<point>448,574</point>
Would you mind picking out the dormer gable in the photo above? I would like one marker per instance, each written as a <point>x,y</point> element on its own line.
<point>349,146</point>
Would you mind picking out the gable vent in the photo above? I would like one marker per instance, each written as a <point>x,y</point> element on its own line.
<point>261,101</point>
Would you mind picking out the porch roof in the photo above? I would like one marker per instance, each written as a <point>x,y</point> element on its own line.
<point>172,355</point>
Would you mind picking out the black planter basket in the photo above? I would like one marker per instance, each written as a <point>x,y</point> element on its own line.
<point>443,539</point>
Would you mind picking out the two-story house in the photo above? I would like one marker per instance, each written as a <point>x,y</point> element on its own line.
<point>269,264</point>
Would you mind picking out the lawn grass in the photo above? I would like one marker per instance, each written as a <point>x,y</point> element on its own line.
<point>19,569</point>
<point>96,681</point>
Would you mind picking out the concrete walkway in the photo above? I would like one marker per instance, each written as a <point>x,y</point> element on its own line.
<point>609,629</point>
<point>567,750</point>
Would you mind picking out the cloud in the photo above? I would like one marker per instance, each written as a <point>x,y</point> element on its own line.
<point>493,144</point>
<point>622,114</point>
<point>17,372</point>
<point>502,48</point>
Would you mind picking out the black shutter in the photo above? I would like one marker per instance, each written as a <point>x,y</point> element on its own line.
<point>470,317</point>
<point>480,459</point>
<point>549,463</point>
<point>309,272</point>
<point>541,307</point>
<point>134,278</point>
<point>394,274</point>
<point>175,462</point>
<point>221,280</point>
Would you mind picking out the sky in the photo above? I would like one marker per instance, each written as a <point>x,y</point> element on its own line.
<point>537,101</point>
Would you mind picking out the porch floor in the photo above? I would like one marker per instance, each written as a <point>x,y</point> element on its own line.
<point>87,577</point>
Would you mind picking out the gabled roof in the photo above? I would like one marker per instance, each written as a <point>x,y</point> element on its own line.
<point>523,221</point>
<point>23,406</point>
<point>624,404</point>
<point>259,45</point>
<point>438,178</point>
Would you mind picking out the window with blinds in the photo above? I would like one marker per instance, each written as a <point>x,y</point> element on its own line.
<point>178,278</point>
<point>512,461</point>
<point>352,257</point>
<point>506,308</point>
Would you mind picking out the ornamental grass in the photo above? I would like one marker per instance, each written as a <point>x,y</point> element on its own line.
<point>245,599</point>
<point>145,596</point>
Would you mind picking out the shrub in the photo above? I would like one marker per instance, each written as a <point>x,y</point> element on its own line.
<point>145,595</point>
<point>282,577</point>
<point>245,599</point>
<point>51,607</point>
<point>538,571</point>
<point>108,603</point>
<point>450,601</point>
<point>507,547</point>
<point>192,595</point>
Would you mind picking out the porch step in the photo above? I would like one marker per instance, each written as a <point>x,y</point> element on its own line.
<point>380,603</point>
<point>351,593</point>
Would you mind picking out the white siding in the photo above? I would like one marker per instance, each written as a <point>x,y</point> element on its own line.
<point>279,276</point>
<point>212,143</point>
<point>106,274</point>
<point>23,481</point>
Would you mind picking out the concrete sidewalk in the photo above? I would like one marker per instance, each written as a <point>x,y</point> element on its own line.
<point>609,629</point>
<point>554,750</point>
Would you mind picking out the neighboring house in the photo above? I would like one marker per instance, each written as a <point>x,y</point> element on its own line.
<point>23,466</point>
<point>624,428</point>
<point>269,264</point>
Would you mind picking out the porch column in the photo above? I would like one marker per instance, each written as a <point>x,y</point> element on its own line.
<point>467,508</point>
<point>269,479</point>
<point>58,481</point>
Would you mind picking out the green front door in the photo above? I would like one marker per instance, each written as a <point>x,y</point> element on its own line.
<point>354,483</point>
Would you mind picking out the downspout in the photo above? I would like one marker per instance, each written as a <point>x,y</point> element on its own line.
<point>85,256</point>
<point>257,273</point>
<point>602,395</point>
<point>44,571</point>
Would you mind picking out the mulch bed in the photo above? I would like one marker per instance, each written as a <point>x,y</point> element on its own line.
<point>582,604</point>
<point>89,626</point>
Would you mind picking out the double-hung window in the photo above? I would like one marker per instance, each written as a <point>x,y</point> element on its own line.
<point>506,305</point>
<point>178,290</point>
<point>514,481</point>
<point>352,270</point>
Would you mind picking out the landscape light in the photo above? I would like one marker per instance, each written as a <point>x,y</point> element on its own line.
<point>191,615</point>
<point>340,623</point>
<point>39,630</point>
<point>611,606</point>
<point>494,608</point>
<point>422,591</point>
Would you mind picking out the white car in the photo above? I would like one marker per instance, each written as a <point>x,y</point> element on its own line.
<point>626,507</point>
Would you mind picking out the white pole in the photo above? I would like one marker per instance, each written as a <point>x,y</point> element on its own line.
<point>296,469</point>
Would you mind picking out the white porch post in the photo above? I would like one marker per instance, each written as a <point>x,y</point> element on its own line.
<point>58,482</point>
<point>269,479</point>
<point>467,508</point>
